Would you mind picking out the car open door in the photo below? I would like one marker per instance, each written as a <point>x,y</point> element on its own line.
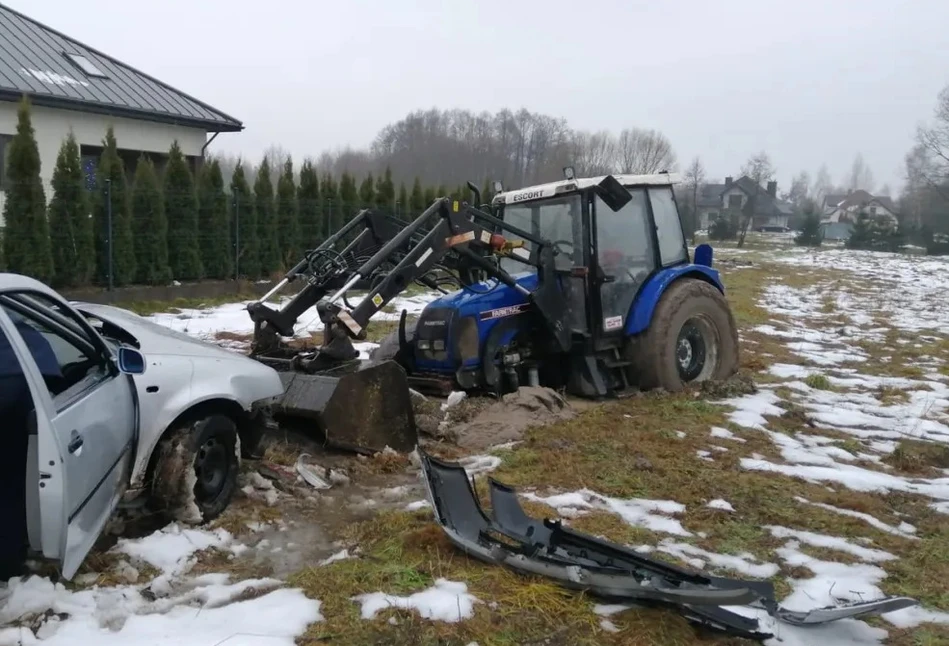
<point>86,420</point>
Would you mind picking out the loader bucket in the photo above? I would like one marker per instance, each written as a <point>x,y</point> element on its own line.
<point>363,411</point>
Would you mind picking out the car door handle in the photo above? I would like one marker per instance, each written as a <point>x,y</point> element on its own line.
<point>75,442</point>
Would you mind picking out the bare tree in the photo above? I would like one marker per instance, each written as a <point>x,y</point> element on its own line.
<point>860,175</point>
<point>800,186</point>
<point>823,185</point>
<point>594,153</point>
<point>644,152</point>
<point>759,169</point>
<point>694,180</point>
<point>931,157</point>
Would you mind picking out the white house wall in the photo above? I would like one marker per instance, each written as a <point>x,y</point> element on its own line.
<point>53,125</point>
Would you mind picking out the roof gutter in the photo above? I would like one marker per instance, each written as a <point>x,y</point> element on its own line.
<point>62,103</point>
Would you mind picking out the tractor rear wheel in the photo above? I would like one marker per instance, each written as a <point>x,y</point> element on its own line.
<point>692,338</point>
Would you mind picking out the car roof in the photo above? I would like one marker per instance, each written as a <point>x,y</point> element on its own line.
<point>19,282</point>
<point>566,185</point>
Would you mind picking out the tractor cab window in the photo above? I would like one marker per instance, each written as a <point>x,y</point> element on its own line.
<point>625,254</point>
<point>557,220</point>
<point>668,227</point>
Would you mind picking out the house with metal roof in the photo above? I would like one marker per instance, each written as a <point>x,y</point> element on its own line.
<point>714,200</point>
<point>72,86</point>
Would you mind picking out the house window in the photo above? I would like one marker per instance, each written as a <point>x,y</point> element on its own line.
<point>88,67</point>
<point>734,201</point>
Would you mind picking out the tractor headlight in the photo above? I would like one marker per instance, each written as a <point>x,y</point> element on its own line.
<point>438,344</point>
<point>424,344</point>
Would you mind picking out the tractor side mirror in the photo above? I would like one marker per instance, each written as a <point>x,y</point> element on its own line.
<point>613,194</point>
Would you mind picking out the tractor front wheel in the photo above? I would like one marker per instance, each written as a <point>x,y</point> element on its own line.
<point>692,338</point>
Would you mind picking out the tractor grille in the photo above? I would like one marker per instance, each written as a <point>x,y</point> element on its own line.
<point>432,334</point>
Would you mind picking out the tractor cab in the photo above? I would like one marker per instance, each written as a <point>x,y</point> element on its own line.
<point>610,235</point>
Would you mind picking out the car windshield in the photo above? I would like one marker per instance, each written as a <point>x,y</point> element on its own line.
<point>556,219</point>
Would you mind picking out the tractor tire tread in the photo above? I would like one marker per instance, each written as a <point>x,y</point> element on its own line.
<point>653,351</point>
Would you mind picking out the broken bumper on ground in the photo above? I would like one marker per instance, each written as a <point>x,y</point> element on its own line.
<point>543,547</point>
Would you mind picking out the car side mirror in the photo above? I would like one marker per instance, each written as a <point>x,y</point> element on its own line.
<point>613,194</point>
<point>131,362</point>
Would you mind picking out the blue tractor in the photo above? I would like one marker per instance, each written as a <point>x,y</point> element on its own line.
<point>584,285</point>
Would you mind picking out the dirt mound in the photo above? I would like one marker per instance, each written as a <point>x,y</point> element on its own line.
<point>485,423</point>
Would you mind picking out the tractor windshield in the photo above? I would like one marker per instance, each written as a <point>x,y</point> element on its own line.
<point>557,220</point>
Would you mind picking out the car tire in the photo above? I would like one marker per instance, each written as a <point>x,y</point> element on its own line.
<point>196,471</point>
<point>692,338</point>
<point>389,348</point>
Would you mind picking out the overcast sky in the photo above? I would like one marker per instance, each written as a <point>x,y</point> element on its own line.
<point>807,81</point>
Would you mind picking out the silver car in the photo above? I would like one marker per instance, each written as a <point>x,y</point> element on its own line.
<point>107,406</point>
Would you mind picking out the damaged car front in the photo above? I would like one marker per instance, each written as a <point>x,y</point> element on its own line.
<point>203,408</point>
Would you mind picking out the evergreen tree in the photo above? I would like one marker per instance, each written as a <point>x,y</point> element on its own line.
<point>811,235</point>
<point>181,210</point>
<point>149,226</point>
<point>214,222</point>
<point>441,191</point>
<point>69,221</point>
<point>348,197</point>
<point>385,193</point>
<point>417,200</point>
<point>402,205</point>
<point>429,197</point>
<point>860,234</point>
<point>27,246</point>
<point>367,193</point>
<point>266,221</point>
<point>245,225</point>
<point>486,193</point>
<point>332,210</point>
<point>308,199</point>
<point>288,222</point>
<point>111,190</point>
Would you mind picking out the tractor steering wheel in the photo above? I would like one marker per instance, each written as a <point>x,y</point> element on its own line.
<point>569,243</point>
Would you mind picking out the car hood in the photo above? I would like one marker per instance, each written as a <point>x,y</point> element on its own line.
<point>156,339</point>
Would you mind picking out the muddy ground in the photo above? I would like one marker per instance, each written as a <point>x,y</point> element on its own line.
<point>287,524</point>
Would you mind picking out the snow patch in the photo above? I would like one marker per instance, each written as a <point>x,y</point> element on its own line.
<point>446,601</point>
<point>718,503</point>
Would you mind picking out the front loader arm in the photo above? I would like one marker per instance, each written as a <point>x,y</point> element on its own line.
<point>458,230</point>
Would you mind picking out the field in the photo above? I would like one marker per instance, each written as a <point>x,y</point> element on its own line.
<point>824,467</point>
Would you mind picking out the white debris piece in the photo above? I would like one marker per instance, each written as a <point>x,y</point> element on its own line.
<point>454,398</point>
<point>338,556</point>
<point>718,503</point>
<point>447,601</point>
<point>313,475</point>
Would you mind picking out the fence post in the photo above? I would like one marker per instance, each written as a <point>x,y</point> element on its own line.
<point>237,236</point>
<point>108,210</point>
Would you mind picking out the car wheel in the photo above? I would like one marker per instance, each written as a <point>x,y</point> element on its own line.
<point>692,338</point>
<point>196,472</point>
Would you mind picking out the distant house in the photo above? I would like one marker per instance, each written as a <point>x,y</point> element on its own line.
<point>732,197</point>
<point>74,87</point>
<point>847,206</point>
